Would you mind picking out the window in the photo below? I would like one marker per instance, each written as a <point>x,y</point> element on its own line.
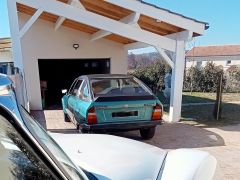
<point>108,64</point>
<point>76,87</point>
<point>94,64</point>
<point>228,62</point>
<point>72,86</point>
<point>18,160</point>
<point>118,87</point>
<point>84,93</point>
<point>50,146</point>
<point>7,68</point>
<point>199,64</point>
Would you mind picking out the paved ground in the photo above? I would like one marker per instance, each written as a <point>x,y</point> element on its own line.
<point>222,142</point>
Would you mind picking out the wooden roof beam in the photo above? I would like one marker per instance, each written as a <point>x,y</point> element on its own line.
<point>30,22</point>
<point>101,22</point>
<point>131,19</point>
<point>61,19</point>
<point>162,15</point>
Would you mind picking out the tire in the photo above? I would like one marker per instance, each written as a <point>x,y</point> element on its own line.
<point>66,118</point>
<point>147,133</point>
<point>84,131</point>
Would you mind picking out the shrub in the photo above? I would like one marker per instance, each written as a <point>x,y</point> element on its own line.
<point>196,79</point>
<point>193,78</point>
<point>153,75</point>
<point>233,79</point>
<point>211,74</point>
<point>203,79</point>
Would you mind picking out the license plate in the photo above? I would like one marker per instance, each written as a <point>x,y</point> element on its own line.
<point>125,114</point>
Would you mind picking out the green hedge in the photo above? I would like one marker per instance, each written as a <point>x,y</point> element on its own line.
<point>203,79</point>
<point>233,79</point>
<point>153,75</point>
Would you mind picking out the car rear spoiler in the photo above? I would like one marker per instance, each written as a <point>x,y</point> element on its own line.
<point>124,98</point>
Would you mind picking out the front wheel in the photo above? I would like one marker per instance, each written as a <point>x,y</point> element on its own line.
<point>147,133</point>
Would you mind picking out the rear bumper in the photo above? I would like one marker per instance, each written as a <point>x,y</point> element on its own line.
<point>121,126</point>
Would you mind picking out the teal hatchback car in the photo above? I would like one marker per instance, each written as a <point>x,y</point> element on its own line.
<point>112,103</point>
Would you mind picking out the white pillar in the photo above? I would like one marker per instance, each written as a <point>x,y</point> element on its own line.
<point>177,82</point>
<point>17,51</point>
<point>14,31</point>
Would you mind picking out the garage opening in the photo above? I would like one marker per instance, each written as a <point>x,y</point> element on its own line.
<point>58,74</point>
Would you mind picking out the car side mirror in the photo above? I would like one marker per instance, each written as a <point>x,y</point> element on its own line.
<point>64,91</point>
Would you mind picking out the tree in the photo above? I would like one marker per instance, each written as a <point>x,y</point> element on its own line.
<point>132,63</point>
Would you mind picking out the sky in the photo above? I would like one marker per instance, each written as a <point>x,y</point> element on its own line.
<point>4,25</point>
<point>223,17</point>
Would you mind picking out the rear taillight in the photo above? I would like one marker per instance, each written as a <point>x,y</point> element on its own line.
<point>91,116</point>
<point>157,112</point>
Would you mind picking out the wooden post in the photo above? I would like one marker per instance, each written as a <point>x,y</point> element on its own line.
<point>217,112</point>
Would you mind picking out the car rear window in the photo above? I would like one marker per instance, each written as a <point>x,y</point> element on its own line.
<point>118,87</point>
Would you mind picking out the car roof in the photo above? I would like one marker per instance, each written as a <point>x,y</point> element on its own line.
<point>4,80</point>
<point>94,76</point>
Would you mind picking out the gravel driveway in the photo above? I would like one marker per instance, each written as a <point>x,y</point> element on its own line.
<point>222,142</point>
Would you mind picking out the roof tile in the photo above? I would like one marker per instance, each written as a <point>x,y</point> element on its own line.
<point>225,50</point>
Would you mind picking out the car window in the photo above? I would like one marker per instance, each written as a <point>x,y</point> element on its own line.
<point>52,148</point>
<point>75,90</point>
<point>17,159</point>
<point>72,86</point>
<point>84,92</point>
<point>118,87</point>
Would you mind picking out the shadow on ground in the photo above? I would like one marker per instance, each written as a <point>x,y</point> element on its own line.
<point>195,113</point>
<point>178,135</point>
<point>167,136</point>
<point>202,115</point>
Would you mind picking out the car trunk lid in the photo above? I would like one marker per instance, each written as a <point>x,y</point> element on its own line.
<point>124,110</point>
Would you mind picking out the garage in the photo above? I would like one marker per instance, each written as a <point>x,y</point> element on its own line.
<point>57,76</point>
<point>85,29</point>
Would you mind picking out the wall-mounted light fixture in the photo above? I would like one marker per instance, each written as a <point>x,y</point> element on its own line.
<point>75,46</point>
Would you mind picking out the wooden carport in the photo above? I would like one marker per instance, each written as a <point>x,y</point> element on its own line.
<point>130,22</point>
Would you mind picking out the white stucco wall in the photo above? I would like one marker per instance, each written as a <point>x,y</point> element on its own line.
<point>218,60</point>
<point>43,42</point>
<point>6,56</point>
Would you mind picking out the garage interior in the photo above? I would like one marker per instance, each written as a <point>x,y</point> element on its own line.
<point>57,76</point>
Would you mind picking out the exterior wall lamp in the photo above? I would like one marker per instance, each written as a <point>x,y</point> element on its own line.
<point>75,46</point>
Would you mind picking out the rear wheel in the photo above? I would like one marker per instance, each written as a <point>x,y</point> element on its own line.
<point>66,118</point>
<point>84,131</point>
<point>147,133</point>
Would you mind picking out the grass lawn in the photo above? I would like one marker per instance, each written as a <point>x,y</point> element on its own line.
<point>209,97</point>
<point>199,97</point>
<point>202,115</point>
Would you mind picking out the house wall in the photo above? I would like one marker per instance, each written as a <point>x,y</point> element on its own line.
<point>43,42</point>
<point>5,56</point>
<point>219,61</point>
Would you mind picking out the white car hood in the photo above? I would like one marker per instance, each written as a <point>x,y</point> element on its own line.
<point>112,157</point>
